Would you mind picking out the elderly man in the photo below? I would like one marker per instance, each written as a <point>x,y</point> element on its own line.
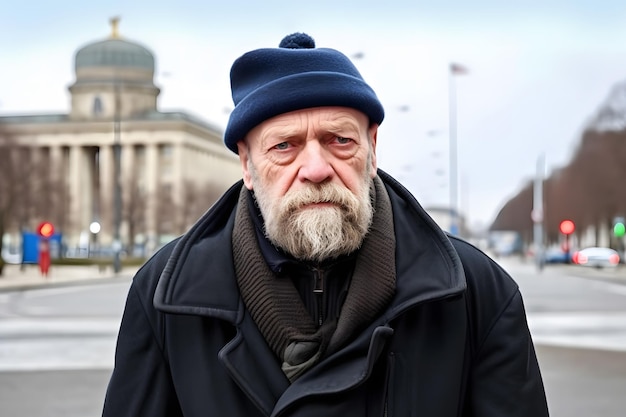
<point>318,286</point>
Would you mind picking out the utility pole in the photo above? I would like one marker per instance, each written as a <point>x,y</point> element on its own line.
<point>454,70</point>
<point>117,183</point>
<point>537,214</point>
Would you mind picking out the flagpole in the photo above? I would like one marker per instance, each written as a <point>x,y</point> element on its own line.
<point>454,70</point>
<point>453,168</point>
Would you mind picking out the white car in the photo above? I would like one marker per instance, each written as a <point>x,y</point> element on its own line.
<point>596,257</point>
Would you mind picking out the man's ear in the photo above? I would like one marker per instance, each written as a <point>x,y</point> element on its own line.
<point>373,137</point>
<point>244,158</point>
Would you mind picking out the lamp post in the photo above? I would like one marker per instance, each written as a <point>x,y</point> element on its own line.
<point>117,184</point>
<point>454,70</point>
<point>537,213</point>
<point>94,228</point>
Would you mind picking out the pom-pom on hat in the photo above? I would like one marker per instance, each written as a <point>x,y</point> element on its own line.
<point>296,75</point>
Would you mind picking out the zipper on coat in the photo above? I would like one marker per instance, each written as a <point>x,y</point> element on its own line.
<point>318,290</point>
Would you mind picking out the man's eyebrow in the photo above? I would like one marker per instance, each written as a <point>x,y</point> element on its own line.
<point>279,133</point>
<point>339,124</point>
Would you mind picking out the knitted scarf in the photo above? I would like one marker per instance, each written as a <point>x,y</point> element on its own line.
<point>275,304</point>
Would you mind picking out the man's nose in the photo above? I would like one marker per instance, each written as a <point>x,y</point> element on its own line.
<point>315,165</point>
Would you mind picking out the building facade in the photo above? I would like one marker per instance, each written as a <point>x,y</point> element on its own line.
<point>142,175</point>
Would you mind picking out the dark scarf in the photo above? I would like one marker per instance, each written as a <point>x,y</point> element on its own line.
<point>276,306</point>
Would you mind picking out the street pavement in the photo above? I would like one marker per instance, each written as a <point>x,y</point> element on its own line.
<point>58,343</point>
<point>18,278</point>
<point>615,275</point>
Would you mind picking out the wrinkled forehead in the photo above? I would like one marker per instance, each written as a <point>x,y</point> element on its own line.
<point>343,120</point>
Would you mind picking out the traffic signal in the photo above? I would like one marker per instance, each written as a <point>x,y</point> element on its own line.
<point>567,227</point>
<point>619,229</point>
<point>45,229</point>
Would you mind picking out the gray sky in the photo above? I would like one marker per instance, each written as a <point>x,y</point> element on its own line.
<point>538,72</point>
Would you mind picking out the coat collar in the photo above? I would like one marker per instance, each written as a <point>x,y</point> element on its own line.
<point>427,265</point>
<point>199,279</point>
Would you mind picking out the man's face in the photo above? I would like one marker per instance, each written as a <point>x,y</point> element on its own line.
<point>311,171</point>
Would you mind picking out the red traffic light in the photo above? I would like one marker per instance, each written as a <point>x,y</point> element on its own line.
<point>45,229</point>
<point>567,227</point>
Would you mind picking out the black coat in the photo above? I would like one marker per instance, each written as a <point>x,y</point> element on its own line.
<point>453,342</point>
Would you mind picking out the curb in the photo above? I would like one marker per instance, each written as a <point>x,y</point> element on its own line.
<point>19,279</point>
<point>25,286</point>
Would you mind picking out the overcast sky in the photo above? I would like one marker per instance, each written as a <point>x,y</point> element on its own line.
<point>538,72</point>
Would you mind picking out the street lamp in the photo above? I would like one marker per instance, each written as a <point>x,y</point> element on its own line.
<point>117,183</point>
<point>454,70</point>
<point>117,167</point>
<point>537,214</point>
<point>94,228</point>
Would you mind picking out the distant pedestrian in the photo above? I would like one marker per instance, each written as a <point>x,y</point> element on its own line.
<point>44,257</point>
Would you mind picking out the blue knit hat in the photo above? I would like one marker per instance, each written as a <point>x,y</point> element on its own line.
<point>296,75</point>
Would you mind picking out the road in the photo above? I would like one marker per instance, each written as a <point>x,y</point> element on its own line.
<point>578,320</point>
<point>57,347</point>
<point>57,344</point>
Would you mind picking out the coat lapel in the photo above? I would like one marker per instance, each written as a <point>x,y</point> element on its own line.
<point>341,371</point>
<point>253,366</point>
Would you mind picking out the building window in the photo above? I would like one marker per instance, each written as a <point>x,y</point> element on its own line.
<point>97,107</point>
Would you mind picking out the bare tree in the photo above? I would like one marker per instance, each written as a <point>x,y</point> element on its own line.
<point>7,187</point>
<point>28,193</point>
<point>174,218</point>
<point>515,215</point>
<point>166,211</point>
<point>198,199</point>
<point>134,209</point>
<point>587,191</point>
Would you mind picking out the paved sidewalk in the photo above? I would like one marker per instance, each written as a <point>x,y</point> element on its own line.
<point>616,275</point>
<point>17,277</point>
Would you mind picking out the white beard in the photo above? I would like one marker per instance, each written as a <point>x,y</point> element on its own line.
<point>316,233</point>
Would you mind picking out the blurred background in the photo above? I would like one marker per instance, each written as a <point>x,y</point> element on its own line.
<point>475,96</point>
<point>506,121</point>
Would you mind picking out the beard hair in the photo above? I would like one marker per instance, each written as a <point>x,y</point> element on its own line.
<point>316,233</point>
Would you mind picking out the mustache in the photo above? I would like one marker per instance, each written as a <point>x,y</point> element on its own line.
<point>320,193</point>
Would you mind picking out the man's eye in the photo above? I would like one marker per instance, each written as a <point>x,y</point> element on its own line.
<point>343,140</point>
<point>282,146</point>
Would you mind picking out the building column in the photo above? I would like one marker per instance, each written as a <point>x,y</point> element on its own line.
<point>59,174</point>
<point>128,163</point>
<point>152,184</point>
<point>56,163</point>
<point>87,192</point>
<point>74,189</point>
<point>129,185</point>
<point>178,189</point>
<point>106,195</point>
<point>76,194</point>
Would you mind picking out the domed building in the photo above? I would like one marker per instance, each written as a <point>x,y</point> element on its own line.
<point>143,176</point>
<point>113,68</point>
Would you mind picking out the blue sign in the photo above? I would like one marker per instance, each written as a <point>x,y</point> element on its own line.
<point>30,247</point>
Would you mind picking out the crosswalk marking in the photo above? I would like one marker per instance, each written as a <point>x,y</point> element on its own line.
<point>592,330</point>
<point>28,344</point>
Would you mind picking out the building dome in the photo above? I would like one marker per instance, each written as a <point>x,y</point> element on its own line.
<point>114,53</point>
<point>112,75</point>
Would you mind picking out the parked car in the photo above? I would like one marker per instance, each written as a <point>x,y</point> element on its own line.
<point>556,256</point>
<point>596,257</point>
